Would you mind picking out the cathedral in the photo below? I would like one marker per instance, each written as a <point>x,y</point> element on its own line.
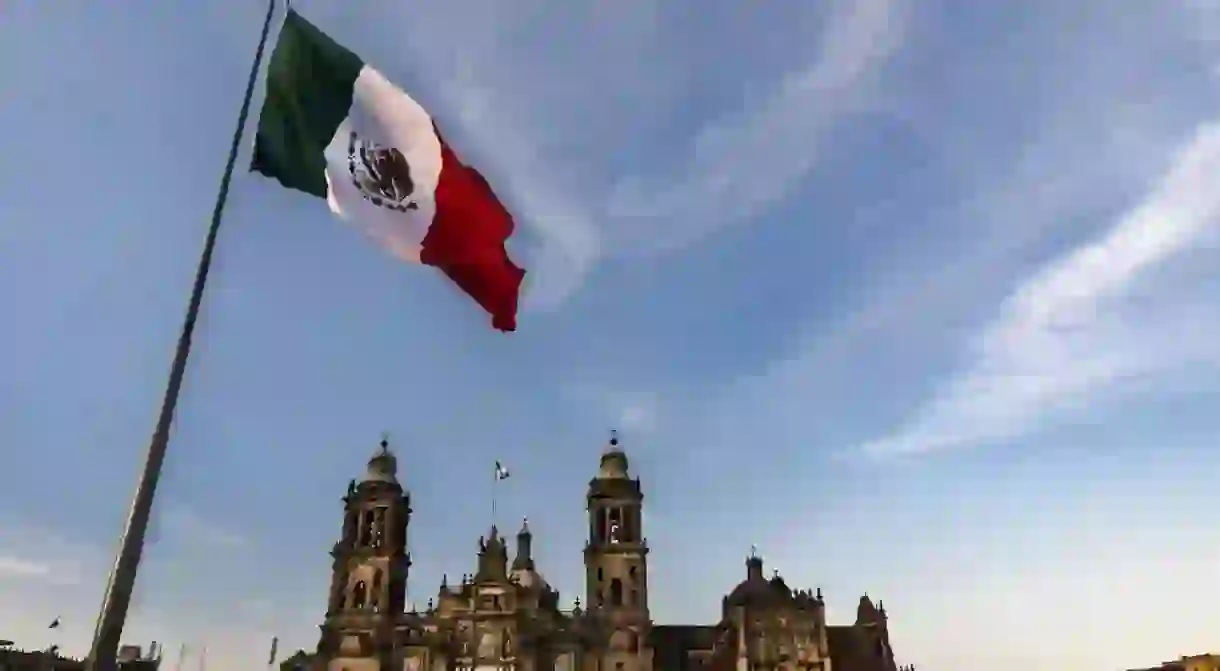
<point>505,616</point>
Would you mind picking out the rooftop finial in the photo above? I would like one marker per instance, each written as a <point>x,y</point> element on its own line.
<point>383,467</point>
<point>753,552</point>
<point>614,436</point>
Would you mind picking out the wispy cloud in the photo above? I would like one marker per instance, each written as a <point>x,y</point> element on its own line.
<point>193,527</point>
<point>637,412</point>
<point>744,162</point>
<point>16,567</point>
<point>535,117</point>
<point>1077,329</point>
<point>28,553</point>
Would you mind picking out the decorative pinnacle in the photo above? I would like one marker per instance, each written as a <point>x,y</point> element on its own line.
<point>614,436</point>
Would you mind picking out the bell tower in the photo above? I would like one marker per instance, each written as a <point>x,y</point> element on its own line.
<point>616,560</point>
<point>369,571</point>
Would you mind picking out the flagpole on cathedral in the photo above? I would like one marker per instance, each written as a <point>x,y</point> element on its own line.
<point>103,654</point>
<point>500,474</point>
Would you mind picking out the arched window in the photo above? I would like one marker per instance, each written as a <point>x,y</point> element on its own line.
<point>616,525</point>
<point>359,594</point>
<point>375,597</point>
<point>616,592</point>
<point>603,525</point>
<point>381,527</point>
<point>366,527</point>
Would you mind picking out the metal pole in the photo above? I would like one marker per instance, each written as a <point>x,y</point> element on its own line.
<point>104,652</point>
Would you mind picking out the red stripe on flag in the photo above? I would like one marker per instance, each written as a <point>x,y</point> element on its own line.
<point>466,240</point>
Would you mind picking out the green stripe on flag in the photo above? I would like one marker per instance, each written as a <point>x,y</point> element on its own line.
<point>309,93</point>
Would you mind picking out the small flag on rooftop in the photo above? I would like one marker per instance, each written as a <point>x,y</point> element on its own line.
<point>54,624</point>
<point>501,471</point>
<point>334,127</point>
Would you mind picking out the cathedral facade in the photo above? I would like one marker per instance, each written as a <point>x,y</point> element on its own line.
<point>505,616</point>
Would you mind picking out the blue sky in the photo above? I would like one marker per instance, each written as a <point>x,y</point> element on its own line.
<point>920,298</point>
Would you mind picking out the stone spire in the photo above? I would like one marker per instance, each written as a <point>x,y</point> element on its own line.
<point>524,561</point>
<point>493,558</point>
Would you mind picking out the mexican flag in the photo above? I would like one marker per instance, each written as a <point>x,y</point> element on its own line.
<point>335,128</point>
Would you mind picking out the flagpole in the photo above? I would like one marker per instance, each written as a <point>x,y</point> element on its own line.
<point>104,651</point>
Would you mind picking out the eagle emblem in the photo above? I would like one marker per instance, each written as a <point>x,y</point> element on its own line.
<point>381,174</point>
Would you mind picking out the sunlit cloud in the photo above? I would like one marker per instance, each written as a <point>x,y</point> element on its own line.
<point>1075,330</point>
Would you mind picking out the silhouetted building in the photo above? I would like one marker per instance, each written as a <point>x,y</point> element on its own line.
<point>506,616</point>
<point>1205,662</point>
<point>298,661</point>
<point>130,659</point>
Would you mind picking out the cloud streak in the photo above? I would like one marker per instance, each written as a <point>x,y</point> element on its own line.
<point>194,528</point>
<point>745,162</point>
<point>16,567</point>
<point>1078,329</point>
<point>737,165</point>
<point>31,554</point>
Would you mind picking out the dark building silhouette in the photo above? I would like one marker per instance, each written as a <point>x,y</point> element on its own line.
<point>1204,662</point>
<point>131,658</point>
<point>505,615</point>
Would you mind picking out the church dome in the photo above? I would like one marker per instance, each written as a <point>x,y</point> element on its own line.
<point>754,590</point>
<point>383,467</point>
<point>530,579</point>
<point>614,465</point>
<point>751,593</point>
